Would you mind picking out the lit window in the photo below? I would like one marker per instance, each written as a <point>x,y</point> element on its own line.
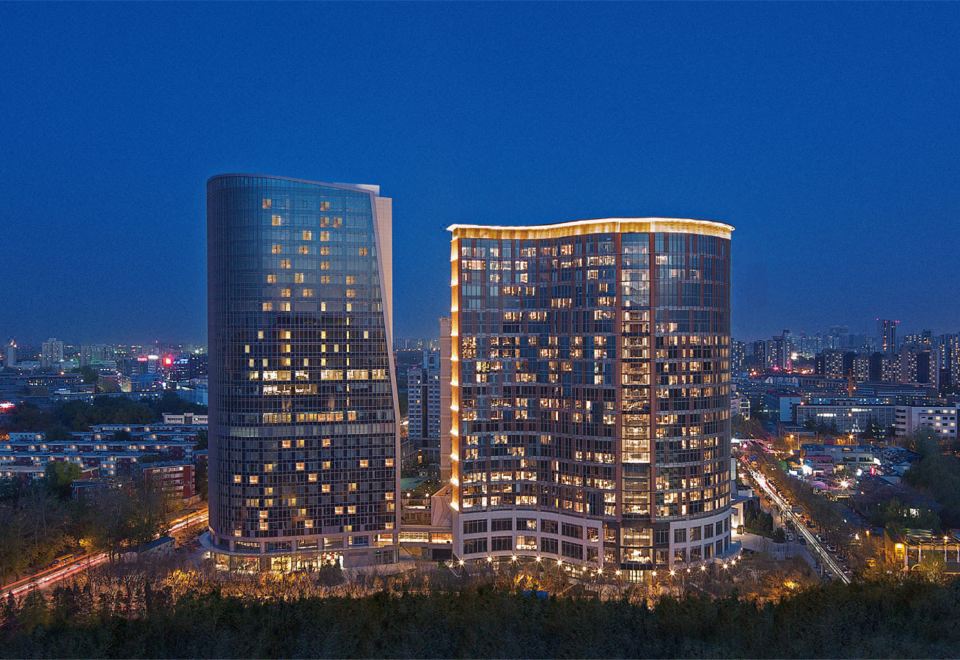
<point>363,252</point>
<point>267,307</point>
<point>301,466</point>
<point>276,221</point>
<point>271,278</point>
<point>284,293</point>
<point>307,235</point>
<point>285,264</point>
<point>298,278</point>
<point>276,248</point>
<point>267,203</point>
<point>364,463</point>
<point>308,293</point>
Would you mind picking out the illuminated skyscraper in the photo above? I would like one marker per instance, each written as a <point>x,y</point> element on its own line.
<point>304,440</point>
<point>887,329</point>
<point>590,392</point>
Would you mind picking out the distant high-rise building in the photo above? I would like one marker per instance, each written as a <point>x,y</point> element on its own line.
<point>887,331</point>
<point>591,392</point>
<point>51,353</point>
<point>838,336</point>
<point>830,363</point>
<point>304,441</point>
<point>860,365</point>
<point>91,354</point>
<point>922,339</point>
<point>738,356</point>
<point>948,360</point>
<point>10,357</point>
<point>778,351</point>
<point>423,399</point>
<point>759,355</point>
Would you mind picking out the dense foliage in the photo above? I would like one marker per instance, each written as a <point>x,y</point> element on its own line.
<point>63,418</point>
<point>909,619</point>
<point>939,474</point>
<point>39,521</point>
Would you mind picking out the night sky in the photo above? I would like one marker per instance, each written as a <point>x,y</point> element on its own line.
<point>829,135</point>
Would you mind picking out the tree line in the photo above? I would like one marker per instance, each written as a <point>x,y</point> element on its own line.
<point>70,416</point>
<point>908,618</point>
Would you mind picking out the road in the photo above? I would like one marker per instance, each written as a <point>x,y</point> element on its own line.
<point>826,559</point>
<point>53,574</point>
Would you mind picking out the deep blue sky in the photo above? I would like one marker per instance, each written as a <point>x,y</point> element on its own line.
<point>829,135</point>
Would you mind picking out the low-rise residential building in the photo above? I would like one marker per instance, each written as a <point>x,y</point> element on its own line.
<point>110,449</point>
<point>781,405</point>
<point>942,420</point>
<point>174,479</point>
<point>846,415</point>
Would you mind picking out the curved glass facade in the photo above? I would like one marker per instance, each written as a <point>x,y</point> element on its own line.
<point>303,415</point>
<point>590,391</point>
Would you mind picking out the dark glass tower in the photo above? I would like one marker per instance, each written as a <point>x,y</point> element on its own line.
<point>303,407</point>
<point>590,392</point>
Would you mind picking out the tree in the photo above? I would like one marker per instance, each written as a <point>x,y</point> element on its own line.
<point>58,477</point>
<point>88,374</point>
<point>200,482</point>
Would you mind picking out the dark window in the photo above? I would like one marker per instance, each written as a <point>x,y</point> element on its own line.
<point>502,543</point>
<point>572,550</point>
<point>474,526</point>
<point>548,545</point>
<point>501,525</point>
<point>680,535</point>
<point>572,531</point>
<point>473,546</point>
<point>548,526</point>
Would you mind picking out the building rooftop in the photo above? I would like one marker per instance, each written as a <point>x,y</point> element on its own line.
<point>595,226</point>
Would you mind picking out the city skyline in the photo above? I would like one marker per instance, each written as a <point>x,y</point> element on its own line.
<point>822,153</point>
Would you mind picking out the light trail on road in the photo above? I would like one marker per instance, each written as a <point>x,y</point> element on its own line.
<point>825,557</point>
<point>50,576</point>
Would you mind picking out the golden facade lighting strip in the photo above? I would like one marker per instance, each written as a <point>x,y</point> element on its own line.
<point>599,226</point>
<point>455,373</point>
